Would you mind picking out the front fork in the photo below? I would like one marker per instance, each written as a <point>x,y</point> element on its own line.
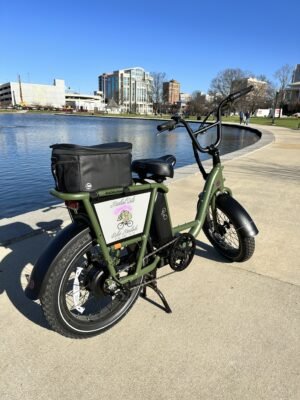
<point>214,185</point>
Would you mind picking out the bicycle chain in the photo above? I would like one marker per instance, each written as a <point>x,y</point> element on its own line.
<point>148,256</point>
<point>144,259</point>
<point>161,248</point>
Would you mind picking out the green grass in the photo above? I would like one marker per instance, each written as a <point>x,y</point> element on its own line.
<point>292,123</point>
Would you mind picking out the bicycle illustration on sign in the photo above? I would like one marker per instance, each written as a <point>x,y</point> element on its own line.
<point>125,218</point>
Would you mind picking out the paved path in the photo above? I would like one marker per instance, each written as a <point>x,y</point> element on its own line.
<point>234,330</point>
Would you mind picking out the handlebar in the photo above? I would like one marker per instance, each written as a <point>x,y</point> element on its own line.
<point>236,95</point>
<point>177,121</point>
<point>167,126</point>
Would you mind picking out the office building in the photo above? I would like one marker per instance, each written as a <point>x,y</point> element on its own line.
<point>130,88</point>
<point>260,87</point>
<point>171,92</point>
<point>32,94</point>
<point>184,101</point>
<point>85,102</point>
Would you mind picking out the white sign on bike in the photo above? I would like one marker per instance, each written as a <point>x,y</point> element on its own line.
<point>123,217</point>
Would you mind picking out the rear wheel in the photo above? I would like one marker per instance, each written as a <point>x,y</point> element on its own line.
<point>226,237</point>
<point>75,299</point>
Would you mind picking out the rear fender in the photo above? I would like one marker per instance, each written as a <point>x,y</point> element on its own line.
<point>237,214</point>
<point>42,266</point>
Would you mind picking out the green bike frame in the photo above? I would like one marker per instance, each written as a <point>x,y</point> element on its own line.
<point>214,185</point>
<point>147,232</point>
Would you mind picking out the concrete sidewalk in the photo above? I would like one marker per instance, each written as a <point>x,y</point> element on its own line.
<point>234,330</point>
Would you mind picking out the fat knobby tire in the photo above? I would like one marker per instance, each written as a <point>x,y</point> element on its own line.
<point>49,298</point>
<point>246,243</point>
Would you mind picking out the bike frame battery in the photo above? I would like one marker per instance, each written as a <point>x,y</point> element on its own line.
<point>161,230</point>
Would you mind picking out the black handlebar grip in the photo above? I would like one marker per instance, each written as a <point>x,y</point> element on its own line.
<point>166,126</point>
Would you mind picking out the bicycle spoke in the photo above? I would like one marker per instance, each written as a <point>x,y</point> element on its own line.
<point>223,231</point>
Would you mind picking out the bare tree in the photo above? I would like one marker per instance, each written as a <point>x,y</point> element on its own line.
<point>198,104</point>
<point>257,98</point>
<point>222,83</point>
<point>283,76</point>
<point>261,96</point>
<point>157,88</point>
<point>270,90</point>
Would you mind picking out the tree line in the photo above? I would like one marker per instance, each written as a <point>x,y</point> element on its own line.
<point>267,95</point>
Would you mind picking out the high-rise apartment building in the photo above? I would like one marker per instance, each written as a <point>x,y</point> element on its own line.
<point>130,88</point>
<point>171,92</point>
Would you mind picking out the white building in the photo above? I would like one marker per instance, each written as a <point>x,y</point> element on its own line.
<point>32,94</point>
<point>14,94</point>
<point>185,97</point>
<point>260,87</point>
<point>85,102</point>
<point>130,88</point>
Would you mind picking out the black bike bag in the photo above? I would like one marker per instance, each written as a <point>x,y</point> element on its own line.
<point>88,168</point>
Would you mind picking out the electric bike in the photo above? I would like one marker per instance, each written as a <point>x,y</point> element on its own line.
<point>95,269</point>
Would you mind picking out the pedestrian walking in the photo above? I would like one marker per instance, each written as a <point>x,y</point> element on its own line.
<point>247,117</point>
<point>241,114</point>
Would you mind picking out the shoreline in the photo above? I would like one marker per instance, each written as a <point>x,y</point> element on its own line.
<point>261,121</point>
<point>234,136</point>
<point>22,226</point>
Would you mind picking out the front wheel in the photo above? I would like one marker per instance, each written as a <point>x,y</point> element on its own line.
<point>226,237</point>
<point>74,300</point>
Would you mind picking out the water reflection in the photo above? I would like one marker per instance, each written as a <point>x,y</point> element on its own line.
<point>25,153</point>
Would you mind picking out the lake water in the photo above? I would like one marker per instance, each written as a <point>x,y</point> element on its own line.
<point>25,155</point>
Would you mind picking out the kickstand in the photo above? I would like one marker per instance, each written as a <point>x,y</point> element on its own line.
<point>153,285</point>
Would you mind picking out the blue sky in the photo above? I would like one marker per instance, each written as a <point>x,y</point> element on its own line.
<point>189,41</point>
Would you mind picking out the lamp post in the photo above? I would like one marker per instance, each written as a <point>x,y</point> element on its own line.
<point>275,104</point>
